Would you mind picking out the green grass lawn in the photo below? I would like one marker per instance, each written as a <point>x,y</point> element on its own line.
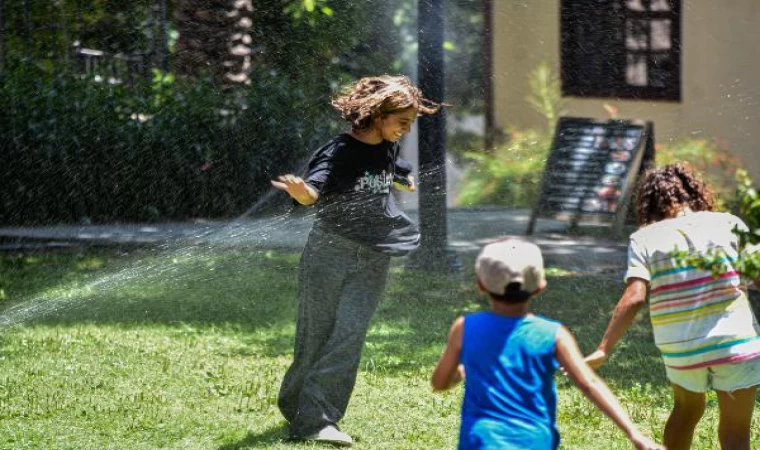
<point>185,349</point>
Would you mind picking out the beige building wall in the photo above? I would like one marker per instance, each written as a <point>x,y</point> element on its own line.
<point>720,73</point>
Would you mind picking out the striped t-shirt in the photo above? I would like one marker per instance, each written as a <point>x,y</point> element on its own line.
<point>698,319</point>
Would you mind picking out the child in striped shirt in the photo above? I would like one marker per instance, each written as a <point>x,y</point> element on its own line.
<point>703,325</point>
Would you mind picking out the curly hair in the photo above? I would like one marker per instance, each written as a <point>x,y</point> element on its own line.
<point>663,192</point>
<point>360,102</point>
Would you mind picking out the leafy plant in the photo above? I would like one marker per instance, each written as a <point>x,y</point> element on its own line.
<point>748,263</point>
<point>511,173</point>
<point>78,150</point>
<point>546,95</point>
<point>462,142</point>
<point>748,203</point>
<point>748,208</point>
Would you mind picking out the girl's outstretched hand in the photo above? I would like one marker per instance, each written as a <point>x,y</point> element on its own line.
<point>296,188</point>
<point>409,186</point>
<point>596,359</point>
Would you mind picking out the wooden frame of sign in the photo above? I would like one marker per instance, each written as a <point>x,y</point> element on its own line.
<point>592,170</point>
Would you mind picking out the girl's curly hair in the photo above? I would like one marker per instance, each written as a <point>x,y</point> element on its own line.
<point>663,192</point>
<point>370,97</point>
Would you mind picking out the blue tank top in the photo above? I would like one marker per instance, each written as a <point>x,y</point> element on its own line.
<point>510,399</point>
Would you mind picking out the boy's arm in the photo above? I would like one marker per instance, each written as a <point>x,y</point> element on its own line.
<point>447,373</point>
<point>570,357</point>
<point>630,303</point>
<point>298,189</point>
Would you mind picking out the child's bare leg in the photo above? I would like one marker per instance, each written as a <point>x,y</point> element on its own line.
<point>688,408</point>
<point>735,418</point>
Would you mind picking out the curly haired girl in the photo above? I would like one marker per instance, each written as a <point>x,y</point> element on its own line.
<point>703,325</point>
<point>344,264</point>
<point>664,192</point>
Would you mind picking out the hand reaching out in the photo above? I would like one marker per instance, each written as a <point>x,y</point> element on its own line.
<point>410,187</point>
<point>296,188</point>
<point>596,359</point>
<point>641,442</point>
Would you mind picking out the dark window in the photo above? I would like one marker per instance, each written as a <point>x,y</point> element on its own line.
<point>621,48</point>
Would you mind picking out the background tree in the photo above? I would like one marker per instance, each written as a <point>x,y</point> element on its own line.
<point>214,39</point>
<point>162,147</point>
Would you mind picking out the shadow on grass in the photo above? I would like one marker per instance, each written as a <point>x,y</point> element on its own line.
<point>254,293</point>
<point>267,438</point>
<point>242,288</point>
<point>584,304</point>
<point>203,287</point>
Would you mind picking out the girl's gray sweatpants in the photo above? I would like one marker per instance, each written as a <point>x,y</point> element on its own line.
<point>339,287</point>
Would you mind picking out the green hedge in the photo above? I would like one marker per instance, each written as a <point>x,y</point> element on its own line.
<point>77,149</point>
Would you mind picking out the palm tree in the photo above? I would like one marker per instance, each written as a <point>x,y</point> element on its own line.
<point>214,38</point>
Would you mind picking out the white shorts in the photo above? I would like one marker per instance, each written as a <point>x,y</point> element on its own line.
<point>722,377</point>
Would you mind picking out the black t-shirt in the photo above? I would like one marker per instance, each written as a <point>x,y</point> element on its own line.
<point>354,181</point>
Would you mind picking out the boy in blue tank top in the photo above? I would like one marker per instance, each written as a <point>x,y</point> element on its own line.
<point>508,358</point>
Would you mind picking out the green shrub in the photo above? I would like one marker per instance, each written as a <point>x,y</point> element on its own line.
<point>748,208</point>
<point>748,203</point>
<point>461,142</point>
<point>546,95</point>
<point>510,175</point>
<point>172,149</point>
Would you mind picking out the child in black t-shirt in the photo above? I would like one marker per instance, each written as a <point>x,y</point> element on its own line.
<point>344,265</point>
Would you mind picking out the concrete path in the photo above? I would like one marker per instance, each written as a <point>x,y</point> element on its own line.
<point>468,231</point>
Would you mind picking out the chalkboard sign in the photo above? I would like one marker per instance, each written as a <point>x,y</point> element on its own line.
<point>591,170</point>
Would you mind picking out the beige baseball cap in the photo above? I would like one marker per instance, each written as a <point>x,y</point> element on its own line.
<point>510,261</point>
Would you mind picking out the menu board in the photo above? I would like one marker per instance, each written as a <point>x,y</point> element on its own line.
<point>592,168</point>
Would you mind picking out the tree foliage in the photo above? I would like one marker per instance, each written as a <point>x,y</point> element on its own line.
<point>42,30</point>
<point>90,145</point>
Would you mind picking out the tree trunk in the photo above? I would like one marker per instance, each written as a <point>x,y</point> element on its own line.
<point>214,39</point>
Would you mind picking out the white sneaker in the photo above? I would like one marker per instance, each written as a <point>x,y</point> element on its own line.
<point>331,435</point>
